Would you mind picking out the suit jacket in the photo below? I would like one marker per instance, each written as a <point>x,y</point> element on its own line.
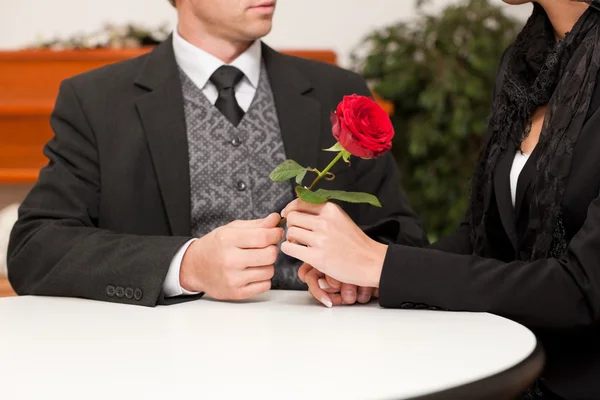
<point>112,206</point>
<point>558,298</point>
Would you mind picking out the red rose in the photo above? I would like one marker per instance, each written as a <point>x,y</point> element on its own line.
<point>362,127</point>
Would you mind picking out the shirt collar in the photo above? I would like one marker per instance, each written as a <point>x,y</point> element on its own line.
<point>199,65</point>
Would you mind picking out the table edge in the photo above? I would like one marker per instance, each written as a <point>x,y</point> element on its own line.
<point>507,384</point>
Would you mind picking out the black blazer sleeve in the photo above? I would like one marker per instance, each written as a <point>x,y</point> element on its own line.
<point>397,222</point>
<point>56,248</point>
<point>551,293</point>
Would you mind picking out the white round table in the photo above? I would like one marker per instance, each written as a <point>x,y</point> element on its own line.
<point>281,345</point>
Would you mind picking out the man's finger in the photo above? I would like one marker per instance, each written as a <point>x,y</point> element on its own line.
<point>254,289</point>
<point>259,238</point>
<point>269,222</point>
<point>258,274</point>
<point>302,206</point>
<point>313,287</point>
<point>349,293</point>
<point>259,257</point>
<point>364,294</point>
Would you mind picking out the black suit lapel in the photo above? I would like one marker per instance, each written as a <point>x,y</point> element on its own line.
<point>162,114</point>
<point>503,196</point>
<point>299,115</point>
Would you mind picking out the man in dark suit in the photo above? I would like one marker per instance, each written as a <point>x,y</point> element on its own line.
<point>153,159</point>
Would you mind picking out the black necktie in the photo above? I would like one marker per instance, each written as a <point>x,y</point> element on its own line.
<point>225,79</point>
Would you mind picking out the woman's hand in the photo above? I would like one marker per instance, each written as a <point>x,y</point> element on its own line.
<point>331,292</point>
<point>333,244</point>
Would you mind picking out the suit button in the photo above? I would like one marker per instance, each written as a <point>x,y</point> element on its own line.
<point>241,186</point>
<point>137,294</point>
<point>110,290</point>
<point>129,293</point>
<point>236,142</point>
<point>120,292</point>
<point>407,306</point>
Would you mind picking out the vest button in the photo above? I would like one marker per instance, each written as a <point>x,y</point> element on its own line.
<point>236,142</point>
<point>241,186</point>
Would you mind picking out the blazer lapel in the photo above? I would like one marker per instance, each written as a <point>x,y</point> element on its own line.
<point>161,111</point>
<point>299,115</point>
<point>503,196</point>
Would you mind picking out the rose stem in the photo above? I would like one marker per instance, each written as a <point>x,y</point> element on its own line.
<point>320,176</point>
<point>326,170</point>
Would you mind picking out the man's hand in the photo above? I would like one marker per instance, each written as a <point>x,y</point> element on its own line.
<point>331,292</point>
<point>324,236</point>
<point>233,262</point>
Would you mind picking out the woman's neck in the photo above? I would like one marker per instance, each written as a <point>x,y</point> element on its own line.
<point>563,14</point>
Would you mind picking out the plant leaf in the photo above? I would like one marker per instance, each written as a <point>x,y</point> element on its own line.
<point>300,176</point>
<point>349,197</point>
<point>310,197</point>
<point>287,170</point>
<point>346,156</point>
<point>336,148</point>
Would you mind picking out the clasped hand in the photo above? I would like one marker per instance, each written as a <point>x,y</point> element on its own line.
<point>342,264</point>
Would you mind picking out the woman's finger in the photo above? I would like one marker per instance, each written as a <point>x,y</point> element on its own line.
<point>303,270</point>
<point>302,206</point>
<point>312,279</point>
<point>334,283</point>
<point>298,235</point>
<point>299,252</point>
<point>364,294</point>
<point>349,293</point>
<point>302,220</point>
<point>326,287</point>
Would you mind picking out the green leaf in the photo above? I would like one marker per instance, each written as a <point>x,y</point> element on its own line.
<point>346,156</point>
<point>300,176</point>
<point>349,197</point>
<point>287,170</point>
<point>310,197</point>
<point>336,148</point>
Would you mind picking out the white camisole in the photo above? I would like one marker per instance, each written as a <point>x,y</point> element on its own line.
<point>518,164</point>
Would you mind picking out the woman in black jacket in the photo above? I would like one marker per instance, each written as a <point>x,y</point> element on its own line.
<point>529,247</point>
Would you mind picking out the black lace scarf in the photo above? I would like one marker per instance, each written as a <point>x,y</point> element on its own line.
<point>540,71</point>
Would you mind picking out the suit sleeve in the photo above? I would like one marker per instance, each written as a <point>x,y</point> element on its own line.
<point>56,248</point>
<point>556,293</point>
<point>396,221</point>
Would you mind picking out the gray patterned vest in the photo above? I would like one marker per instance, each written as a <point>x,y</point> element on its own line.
<point>230,167</point>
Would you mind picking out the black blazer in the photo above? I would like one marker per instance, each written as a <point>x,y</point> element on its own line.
<point>558,298</point>
<point>112,207</point>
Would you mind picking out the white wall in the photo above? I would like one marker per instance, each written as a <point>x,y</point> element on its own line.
<point>327,24</point>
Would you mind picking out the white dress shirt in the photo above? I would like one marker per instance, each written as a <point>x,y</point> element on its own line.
<point>199,66</point>
<point>517,166</point>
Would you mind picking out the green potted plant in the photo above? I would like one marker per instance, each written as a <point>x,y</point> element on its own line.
<point>438,70</point>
